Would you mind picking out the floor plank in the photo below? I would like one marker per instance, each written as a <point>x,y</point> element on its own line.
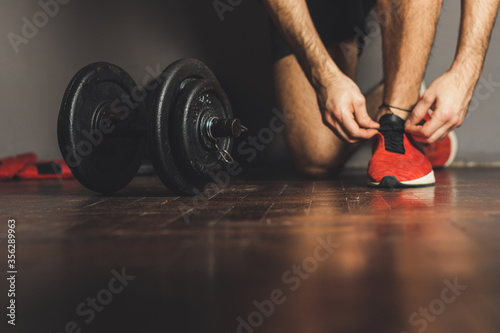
<point>335,255</point>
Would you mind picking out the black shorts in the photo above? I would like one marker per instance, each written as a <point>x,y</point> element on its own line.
<point>335,21</point>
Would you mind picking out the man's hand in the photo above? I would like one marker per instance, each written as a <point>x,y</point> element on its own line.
<point>449,97</point>
<point>341,102</point>
<point>343,107</point>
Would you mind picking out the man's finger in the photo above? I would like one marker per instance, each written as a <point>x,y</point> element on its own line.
<point>421,109</point>
<point>363,118</point>
<point>353,129</point>
<point>416,132</point>
<point>428,129</point>
<point>440,133</point>
<point>337,128</point>
<point>342,134</point>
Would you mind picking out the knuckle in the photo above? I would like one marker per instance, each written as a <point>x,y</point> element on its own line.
<point>428,98</point>
<point>337,112</point>
<point>426,133</point>
<point>456,121</point>
<point>417,113</point>
<point>359,101</point>
<point>447,116</point>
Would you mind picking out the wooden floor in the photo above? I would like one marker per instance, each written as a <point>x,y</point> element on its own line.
<point>265,254</point>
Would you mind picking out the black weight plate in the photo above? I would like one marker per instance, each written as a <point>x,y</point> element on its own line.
<point>101,161</point>
<point>174,78</point>
<point>196,155</point>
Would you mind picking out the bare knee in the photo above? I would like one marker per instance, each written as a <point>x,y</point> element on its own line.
<point>315,168</point>
<point>318,160</point>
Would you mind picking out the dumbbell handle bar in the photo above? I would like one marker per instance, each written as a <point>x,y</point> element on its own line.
<point>217,128</point>
<point>214,128</point>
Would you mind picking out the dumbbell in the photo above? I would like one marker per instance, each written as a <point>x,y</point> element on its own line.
<point>105,127</point>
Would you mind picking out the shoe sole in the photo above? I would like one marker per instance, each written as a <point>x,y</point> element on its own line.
<point>393,182</point>
<point>453,149</point>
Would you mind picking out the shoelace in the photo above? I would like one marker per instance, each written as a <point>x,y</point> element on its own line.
<point>393,137</point>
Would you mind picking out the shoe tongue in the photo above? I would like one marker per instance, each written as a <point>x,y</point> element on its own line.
<point>392,128</point>
<point>392,121</point>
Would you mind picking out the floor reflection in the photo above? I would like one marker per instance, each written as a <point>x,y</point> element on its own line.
<point>289,256</point>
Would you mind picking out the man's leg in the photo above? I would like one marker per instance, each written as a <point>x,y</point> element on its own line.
<point>408,29</point>
<point>315,149</point>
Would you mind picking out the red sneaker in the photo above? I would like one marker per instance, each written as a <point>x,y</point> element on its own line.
<point>396,161</point>
<point>442,153</point>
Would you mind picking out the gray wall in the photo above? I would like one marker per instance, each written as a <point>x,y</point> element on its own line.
<point>137,34</point>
